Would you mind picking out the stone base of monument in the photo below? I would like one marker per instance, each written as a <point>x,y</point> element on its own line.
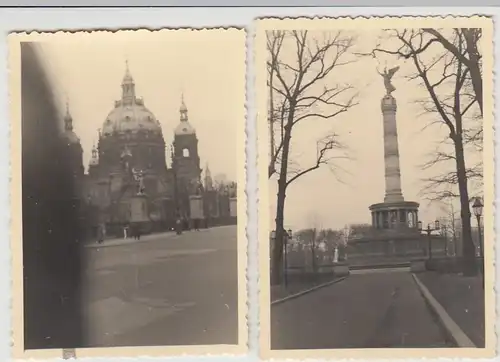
<point>139,209</point>
<point>418,266</point>
<point>341,269</point>
<point>139,214</point>
<point>393,248</point>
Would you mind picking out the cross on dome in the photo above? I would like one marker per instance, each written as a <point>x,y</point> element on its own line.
<point>127,78</point>
<point>183,109</point>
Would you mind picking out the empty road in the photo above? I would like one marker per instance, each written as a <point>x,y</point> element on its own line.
<point>164,290</point>
<point>366,310</point>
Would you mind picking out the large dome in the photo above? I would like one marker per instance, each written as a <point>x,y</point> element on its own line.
<point>129,114</point>
<point>130,117</point>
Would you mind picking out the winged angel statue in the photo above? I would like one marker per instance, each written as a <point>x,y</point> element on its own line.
<point>387,75</point>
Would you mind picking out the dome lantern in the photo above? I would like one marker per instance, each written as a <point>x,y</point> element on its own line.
<point>128,87</point>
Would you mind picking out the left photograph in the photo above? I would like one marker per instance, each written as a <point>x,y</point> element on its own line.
<point>128,193</point>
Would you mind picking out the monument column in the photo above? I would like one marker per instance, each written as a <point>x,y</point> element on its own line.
<point>391,151</point>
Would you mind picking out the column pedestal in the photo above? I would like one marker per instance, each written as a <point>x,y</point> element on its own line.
<point>233,207</point>
<point>196,210</point>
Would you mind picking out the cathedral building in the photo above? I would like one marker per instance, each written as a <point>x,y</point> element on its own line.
<point>129,159</point>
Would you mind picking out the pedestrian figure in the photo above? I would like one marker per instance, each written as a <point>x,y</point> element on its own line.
<point>137,232</point>
<point>100,234</point>
<point>178,226</point>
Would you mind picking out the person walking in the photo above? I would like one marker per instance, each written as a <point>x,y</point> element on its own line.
<point>100,234</point>
<point>178,226</point>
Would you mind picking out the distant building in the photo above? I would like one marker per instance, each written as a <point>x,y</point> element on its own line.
<point>130,147</point>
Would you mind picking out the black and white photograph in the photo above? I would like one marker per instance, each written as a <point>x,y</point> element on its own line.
<point>128,179</point>
<point>376,187</point>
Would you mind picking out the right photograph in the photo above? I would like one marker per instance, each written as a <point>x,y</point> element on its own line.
<point>376,161</point>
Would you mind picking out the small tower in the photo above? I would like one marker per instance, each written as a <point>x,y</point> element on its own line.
<point>68,120</point>
<point>208,179</point>
<point>94,161</point>
<point>186,156</point>
<point>74,151</point>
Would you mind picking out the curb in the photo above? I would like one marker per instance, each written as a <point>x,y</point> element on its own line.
<point>451,328</point>
<point>299,294</point>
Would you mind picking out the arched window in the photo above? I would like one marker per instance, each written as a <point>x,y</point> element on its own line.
<point>185,152</point>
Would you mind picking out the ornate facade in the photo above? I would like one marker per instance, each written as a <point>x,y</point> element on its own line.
<point>130,159</point>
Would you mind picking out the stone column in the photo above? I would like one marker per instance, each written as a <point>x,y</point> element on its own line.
<point>196,207</point>
<point>138,209</point>
<point>233,207</point>
<point>393,191</point>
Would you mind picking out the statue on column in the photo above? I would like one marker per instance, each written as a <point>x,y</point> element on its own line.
<point>387,75</point>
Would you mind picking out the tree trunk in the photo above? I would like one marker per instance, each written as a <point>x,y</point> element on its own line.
<point>313,256</point>
<point>473,65</point>
<point>277,257</point>
<point>468,249</point>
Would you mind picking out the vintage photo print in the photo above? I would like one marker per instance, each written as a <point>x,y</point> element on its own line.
<point>376,187</point>
<point>128,179</point>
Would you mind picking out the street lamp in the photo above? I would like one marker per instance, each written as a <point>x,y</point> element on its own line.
<point>178,223</point>
<point>444,233</point>
<point>429,231</point>
<point>477,207</point>
<point>286,236</point>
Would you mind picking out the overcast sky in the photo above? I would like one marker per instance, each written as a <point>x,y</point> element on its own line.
<point>208,66</point>
<point>319,197</point>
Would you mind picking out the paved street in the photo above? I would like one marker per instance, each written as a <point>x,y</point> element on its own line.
<point>164,290</point>
<point>367,310</point>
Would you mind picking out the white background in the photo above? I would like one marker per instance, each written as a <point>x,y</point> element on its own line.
<point>73,19</point>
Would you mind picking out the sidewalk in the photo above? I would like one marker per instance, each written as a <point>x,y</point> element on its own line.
<point>130,240</point>
<point>462,298</point>
<point>155,236</point>
<point>294,287</point>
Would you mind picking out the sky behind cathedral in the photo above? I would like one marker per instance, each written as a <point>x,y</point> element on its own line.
<point>208,67</point>
<point>323,198</point>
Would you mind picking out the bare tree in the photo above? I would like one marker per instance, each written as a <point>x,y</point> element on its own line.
<point>299,67</point>
<point>448,77</point>
<point>309,237</point>
<point>451,224</point>
<point>332,238</point>
<point>357,231</point>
